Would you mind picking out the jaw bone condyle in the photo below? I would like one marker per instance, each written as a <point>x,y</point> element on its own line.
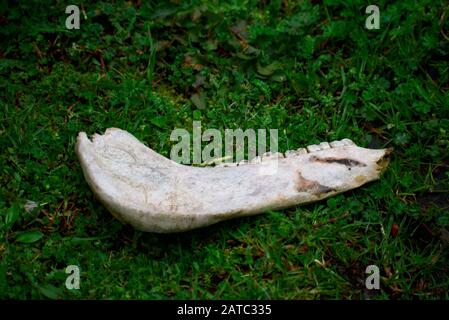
<point>155,194</point>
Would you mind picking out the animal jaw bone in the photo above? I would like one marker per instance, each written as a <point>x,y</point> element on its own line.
<point>155,194</point>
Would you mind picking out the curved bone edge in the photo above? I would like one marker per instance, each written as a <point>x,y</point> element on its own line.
<point>155,194</point>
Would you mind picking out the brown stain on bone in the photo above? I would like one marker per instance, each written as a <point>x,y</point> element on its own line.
<point>310,186</point>
<point>360,179</point>
<point>344,161</point>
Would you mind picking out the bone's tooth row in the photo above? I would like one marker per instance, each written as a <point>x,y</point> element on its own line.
<point>327,145</point>
<point>291,153</point>
<point>318,147</point>
<point>265,157</point>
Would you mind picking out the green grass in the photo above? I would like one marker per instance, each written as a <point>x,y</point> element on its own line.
<point>307,68</point>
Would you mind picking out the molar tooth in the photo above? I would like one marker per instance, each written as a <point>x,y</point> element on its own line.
<point>226,164</point>
<point>337,144</point>
<point>291,153</point>
<point>257,159</point>
<point>272,156</point>
<point>220,165</point>
<point>347,142</point>
<point>278,155</point>
<point>267,154</point>
<point>324,145</point>
<point>313,148</point>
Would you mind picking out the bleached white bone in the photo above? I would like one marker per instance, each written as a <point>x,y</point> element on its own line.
<point>153,193</point>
